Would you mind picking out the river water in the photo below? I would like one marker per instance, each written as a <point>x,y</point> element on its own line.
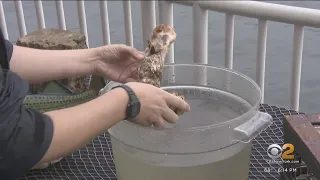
<point>279,46</point>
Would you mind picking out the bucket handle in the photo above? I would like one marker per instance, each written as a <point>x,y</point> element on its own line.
<point>251,129</point>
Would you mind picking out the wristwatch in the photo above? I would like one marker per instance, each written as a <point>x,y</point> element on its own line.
<point>133,107</point>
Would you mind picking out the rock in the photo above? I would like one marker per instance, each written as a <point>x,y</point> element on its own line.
<point>56,39</point>
<point>53,39</point>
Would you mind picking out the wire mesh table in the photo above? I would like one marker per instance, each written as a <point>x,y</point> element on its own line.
<point>95,161</point>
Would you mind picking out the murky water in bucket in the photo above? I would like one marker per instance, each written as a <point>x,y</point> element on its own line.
<point>209,106</point>
<point>232,168</point>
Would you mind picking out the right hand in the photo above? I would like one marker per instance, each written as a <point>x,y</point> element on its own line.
<point>155,104</point>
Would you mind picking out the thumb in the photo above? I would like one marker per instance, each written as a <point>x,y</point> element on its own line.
<point>135,53</point>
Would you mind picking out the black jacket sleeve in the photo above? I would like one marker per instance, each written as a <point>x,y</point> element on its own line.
<point>25,134</point>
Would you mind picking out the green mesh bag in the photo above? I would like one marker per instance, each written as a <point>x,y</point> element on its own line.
<point>57,97</point>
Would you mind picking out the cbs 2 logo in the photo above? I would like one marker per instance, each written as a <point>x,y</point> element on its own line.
<point>275,151</point>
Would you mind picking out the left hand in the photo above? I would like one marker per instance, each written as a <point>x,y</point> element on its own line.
<point>118,62</point>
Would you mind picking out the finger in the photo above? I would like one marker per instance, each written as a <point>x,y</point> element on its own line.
<point>176,102</point>
<point>138,55</point>
<point>159,123</point>
<point>170,116</point>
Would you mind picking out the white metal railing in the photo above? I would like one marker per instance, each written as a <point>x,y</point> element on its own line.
<point>264,12</point>
<point>60,14</point>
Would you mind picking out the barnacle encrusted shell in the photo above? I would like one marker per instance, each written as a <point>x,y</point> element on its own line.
<point>151,67</point>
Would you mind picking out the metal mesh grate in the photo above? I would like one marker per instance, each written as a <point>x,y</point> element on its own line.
<point>259,168</point>
<point>95,161</point>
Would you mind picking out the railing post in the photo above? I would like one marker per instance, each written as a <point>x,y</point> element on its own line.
<point>200,35</point>
<point>3,22</point>
<point>261,55</point>
<point>20,18</point>
<point>105,22</point>
<point>128,22</point>
<point>82,20</point>
<point>40,15</point>
<point>296,66</point>
<point>200,41</point>
<point>148,17</point>
<point>229,36</point>
<point>60,15</point>
<point>166,17</point>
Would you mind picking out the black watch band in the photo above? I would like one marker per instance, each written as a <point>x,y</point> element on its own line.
<point>133,107</point>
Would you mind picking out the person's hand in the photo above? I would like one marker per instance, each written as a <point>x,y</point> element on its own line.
<point>155,104</point>
<point>118,62</point>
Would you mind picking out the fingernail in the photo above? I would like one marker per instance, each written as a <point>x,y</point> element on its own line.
<point>188,107</point>
<point>140,55</point>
